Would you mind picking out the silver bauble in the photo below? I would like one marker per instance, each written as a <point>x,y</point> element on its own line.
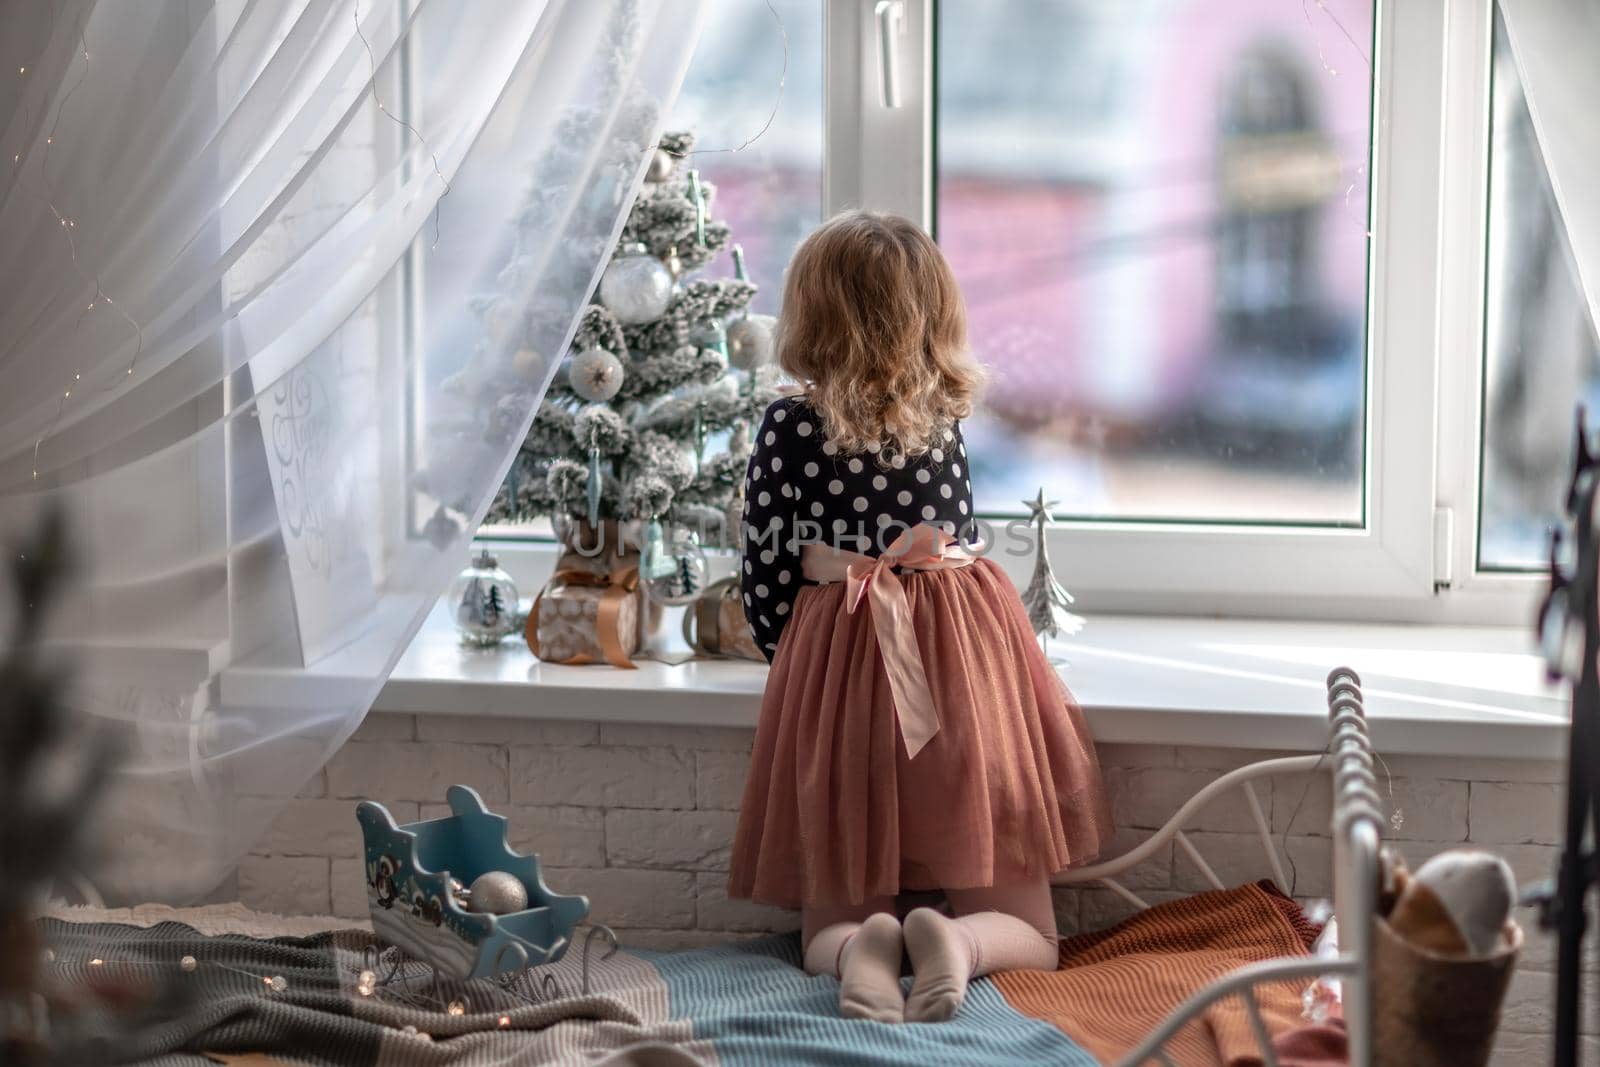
<point>750,341</point>
<point>673,569</point>
<point>660,168</point>
<point>636,287</point>
<point>596,375</point>
<point>484,600</point>
<point>497,893</point>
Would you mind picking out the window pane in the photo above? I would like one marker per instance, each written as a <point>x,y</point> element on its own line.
<point>769,192</point>
<point>1158,214</point>
<point>1541,355</point>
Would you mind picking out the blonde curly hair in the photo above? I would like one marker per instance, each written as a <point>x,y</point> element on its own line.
<point>874,326</point>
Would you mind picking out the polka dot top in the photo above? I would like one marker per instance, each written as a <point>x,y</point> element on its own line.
<point>800,488</point>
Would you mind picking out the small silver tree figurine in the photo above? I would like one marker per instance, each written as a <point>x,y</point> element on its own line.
<point>1045,599</point>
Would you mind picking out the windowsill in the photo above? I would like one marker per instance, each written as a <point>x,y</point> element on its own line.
<point>1442,691</point>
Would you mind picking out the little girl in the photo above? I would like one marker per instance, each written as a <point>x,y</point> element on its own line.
<point>912,736</point>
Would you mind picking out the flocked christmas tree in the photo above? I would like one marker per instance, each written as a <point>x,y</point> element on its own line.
<point>662,363</point>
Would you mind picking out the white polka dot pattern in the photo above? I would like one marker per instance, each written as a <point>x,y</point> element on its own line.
<point>856,502</point>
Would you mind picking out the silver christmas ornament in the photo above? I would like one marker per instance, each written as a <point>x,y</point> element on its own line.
<point>672,571</point>
<point>497,893</point>
<point>750,342</point>
<point>660,168</point>
<point>596,375</point>
<point>484,599</point>
<point>636,287</point>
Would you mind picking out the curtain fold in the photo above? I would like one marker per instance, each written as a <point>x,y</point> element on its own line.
<point>285,283</point>
<point>1554,44</point>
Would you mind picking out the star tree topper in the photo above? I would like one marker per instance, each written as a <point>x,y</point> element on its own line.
<point>1046,601</point>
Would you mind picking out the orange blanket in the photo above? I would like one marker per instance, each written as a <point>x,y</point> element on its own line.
<point>1115,986</point>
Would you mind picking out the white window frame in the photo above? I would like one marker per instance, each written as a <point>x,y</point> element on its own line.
<point>1415,560</point>
<point>1416,557</point>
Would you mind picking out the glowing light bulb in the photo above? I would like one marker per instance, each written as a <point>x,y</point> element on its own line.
<point>22,70</point>
<point>505,1021</point>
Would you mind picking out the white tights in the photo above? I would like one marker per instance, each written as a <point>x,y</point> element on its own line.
<point>997,929</point>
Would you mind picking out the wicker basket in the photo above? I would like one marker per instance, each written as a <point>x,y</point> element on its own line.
<point>1432,1010</point>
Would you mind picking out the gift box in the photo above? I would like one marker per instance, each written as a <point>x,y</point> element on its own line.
<point>584,618</point>
<point>715,624</point>
<point>592,609</point>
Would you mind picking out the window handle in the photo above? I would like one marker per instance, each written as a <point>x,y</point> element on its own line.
<point>891,16</point>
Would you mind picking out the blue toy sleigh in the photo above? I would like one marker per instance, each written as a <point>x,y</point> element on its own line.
<point>408,871</point>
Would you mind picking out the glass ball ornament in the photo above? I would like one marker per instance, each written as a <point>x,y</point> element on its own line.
<point>673,569</point>
<point>711,337</point>
<point>750,342</point>
<point>483,599</point>
<point>661,165</point>
<point>596,375</point>
<point>497,893</point>
<point>636,287</point>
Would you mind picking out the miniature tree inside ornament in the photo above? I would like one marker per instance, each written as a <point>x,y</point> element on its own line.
<point>484,600</point>
<point>674,570</point>
<point>1046,601</point>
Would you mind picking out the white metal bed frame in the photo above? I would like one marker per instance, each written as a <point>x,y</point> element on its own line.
<point>1356,836</point>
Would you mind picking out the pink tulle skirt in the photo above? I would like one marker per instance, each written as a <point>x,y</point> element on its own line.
<point>1007,791</point>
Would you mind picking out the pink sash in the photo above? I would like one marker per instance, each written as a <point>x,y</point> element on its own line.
<point>921,548</point>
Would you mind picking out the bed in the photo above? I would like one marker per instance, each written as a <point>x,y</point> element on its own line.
<point>1211,978</point>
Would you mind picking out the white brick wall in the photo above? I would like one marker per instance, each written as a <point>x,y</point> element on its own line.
<point>640,818</point>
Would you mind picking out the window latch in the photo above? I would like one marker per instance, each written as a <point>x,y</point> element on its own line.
<point>891,16</point>
<point>1443,548</point>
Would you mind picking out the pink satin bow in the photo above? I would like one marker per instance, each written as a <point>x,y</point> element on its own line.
<point>921,548</point>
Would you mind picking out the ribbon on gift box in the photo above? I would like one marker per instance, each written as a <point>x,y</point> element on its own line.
<point>617,586</point>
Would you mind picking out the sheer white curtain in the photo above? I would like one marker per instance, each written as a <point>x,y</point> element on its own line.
<point>1555,44</point>
<point>283,283</point>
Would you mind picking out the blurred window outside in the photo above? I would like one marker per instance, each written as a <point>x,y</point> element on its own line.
<point>1160,221</point>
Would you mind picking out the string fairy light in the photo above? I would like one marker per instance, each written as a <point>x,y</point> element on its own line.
<point>372,64</point>
<point>67,224</point>
<point>783,79</point>
<point>272,983</point>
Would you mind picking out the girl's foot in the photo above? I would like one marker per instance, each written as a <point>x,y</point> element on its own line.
<point>869,971</point>
<point>941,956</point>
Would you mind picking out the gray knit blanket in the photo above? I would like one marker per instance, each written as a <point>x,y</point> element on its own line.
<point>300,1000</point>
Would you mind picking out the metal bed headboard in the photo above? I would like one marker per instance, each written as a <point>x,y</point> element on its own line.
<point>1357,836</point>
